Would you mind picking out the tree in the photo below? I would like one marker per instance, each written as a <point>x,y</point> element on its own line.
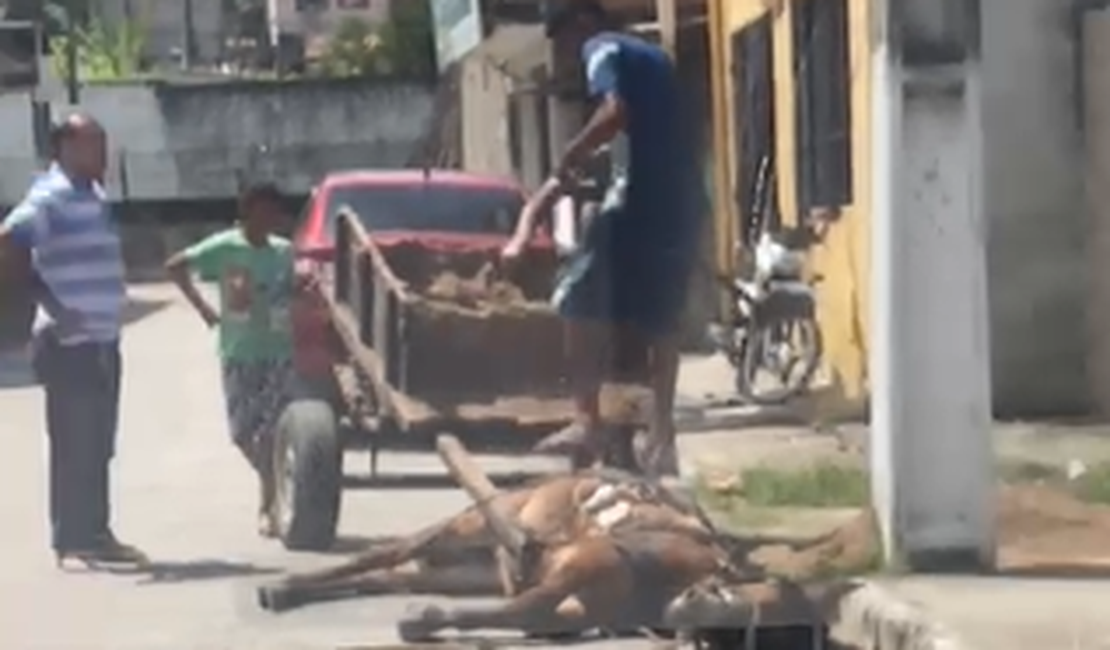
<point>354,50</point>
<point>104,51</point>
<point>408,38</point>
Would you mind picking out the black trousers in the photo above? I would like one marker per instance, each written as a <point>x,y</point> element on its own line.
<point>82,385</point>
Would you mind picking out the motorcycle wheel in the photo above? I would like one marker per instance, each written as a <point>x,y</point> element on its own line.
<point>802,337</point>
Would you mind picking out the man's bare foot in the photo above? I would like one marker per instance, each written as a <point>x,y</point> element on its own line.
<point>267,525</point>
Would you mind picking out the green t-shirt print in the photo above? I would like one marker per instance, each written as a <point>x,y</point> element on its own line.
<point>256,286</point>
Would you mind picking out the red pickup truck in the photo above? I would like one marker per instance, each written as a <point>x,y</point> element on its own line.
<point>439,209</point>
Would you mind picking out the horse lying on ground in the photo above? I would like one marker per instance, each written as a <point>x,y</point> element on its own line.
<point>590,550</point>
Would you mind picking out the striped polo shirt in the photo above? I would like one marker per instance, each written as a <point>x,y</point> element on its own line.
<point>76,252</point>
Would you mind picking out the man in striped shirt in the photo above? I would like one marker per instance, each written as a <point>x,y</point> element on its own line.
<point>64,225</point>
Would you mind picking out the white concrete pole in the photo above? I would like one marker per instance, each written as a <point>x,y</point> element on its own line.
<point>931,457</point>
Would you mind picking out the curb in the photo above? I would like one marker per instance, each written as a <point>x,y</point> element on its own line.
<point>871,618</point>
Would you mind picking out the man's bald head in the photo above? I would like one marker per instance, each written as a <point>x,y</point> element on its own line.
<point>79,143</point>
<point>73,125</point>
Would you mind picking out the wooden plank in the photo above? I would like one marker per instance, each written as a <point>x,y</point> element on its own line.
<point>394,403</point>
<point>482,491</point>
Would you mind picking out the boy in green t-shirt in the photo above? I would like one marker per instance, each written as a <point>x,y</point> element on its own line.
<point>255,272</point>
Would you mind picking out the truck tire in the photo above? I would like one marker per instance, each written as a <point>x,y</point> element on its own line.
<point>308,464</point>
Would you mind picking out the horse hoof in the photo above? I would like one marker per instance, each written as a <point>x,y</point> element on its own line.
<point>420,626</point>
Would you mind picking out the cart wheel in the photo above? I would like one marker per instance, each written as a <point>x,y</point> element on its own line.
<point>308,463</point>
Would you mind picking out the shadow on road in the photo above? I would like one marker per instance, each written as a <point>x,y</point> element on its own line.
<point>352,544</point>
<point>194,571</point>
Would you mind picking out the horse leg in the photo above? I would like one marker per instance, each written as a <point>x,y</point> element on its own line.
<point>582,585</point>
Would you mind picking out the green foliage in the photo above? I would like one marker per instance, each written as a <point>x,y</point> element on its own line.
<point>409,38</point>
<point>1091,485</point>
<point>353,51</point>
<point>402,46</point>
<point>104,51</point>
<point>823,485</point>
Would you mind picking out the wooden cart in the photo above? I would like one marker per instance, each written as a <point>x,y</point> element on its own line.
<point>406,368</point>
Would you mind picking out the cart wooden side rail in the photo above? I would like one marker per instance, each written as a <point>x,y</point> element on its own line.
<point>372,294</point>
<point>424,379</point>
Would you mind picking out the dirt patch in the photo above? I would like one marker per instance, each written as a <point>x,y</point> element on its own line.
<point>1045,526</point>
<point>1040,528</point>
<point>850,549</point>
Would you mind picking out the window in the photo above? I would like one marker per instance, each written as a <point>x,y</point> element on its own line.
<point>310,5</point>
<point>938,32</point>
<point>753,84</point>
<point>823,116</point>
<point>432,207</point>
<point>19,56</point>
<point>352,4</point>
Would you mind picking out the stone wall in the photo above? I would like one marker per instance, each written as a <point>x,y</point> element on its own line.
<point>1035,205</point>
<point>194,141</point>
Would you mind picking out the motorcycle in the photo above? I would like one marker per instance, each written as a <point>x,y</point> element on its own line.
<point>772,327</point>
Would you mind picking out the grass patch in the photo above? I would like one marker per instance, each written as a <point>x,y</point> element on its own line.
<point>728,507</point>
<point>1092,485</point>
<point>1025,471</point>
<point>821,485</point>
<point>764,496</point>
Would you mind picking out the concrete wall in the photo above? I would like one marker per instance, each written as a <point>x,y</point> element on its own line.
<point>1035,206</point>
<point>485,115</point>
<point>191,141</point>
<point>1096,125</point>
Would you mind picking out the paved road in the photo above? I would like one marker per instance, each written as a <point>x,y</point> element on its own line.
<point>984,613</point>
<point>187,498</point>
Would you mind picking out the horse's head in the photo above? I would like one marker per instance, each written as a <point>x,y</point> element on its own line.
<point>730,601</point>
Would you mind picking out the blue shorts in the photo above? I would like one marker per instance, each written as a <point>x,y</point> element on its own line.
<point>627,278</point>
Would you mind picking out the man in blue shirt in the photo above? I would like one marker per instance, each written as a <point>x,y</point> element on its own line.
<point>633,265</point>
<point>64,231</point>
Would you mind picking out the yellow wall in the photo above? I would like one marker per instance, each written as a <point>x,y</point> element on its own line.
<point>843,259</point>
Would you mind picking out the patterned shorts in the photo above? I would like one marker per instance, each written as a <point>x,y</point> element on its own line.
<point>255,394</point>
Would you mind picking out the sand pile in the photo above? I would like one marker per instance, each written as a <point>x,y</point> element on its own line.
<point>483,294</point>
<point>849,549</point>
